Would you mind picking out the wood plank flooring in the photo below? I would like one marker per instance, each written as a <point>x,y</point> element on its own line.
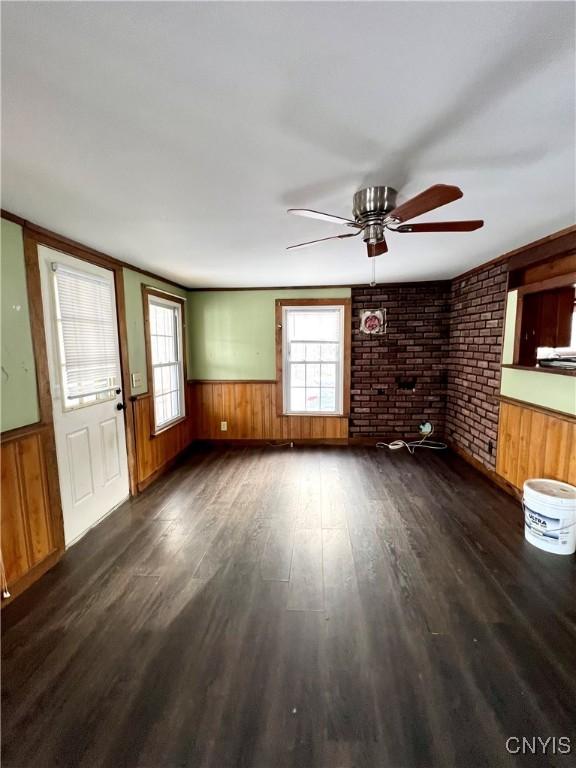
<point>296,608</point>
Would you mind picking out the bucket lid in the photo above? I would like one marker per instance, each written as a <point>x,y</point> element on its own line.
<point>554,488</point>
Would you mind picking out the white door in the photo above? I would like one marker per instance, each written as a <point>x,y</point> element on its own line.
<point>87,399</point>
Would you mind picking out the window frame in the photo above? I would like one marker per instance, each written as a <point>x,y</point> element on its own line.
<point>345,306</point>
<point>168,299</point>
<point>540,286</point>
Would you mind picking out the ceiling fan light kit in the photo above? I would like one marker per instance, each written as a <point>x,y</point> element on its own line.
<point>374,210</point>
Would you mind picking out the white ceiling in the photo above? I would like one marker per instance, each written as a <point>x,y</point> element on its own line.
<point>175,135</point>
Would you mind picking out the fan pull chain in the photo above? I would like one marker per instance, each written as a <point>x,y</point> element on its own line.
<point>373,281</point>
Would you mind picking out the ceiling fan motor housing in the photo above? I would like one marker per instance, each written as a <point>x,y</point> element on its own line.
<point>370,207</point>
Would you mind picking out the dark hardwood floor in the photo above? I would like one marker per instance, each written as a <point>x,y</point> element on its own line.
<point>306,608</point>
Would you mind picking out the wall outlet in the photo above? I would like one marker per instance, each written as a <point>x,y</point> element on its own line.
<point>223,426</point>
<point>137,380</point>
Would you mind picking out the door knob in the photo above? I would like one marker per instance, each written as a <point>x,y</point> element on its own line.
<point>120,407</point>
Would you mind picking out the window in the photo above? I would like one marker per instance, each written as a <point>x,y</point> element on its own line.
<point>548,328</point>
<point>313,355</point>
<point>166,358</point>
<point>85,313</point>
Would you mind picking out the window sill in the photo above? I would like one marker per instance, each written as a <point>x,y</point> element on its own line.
<point>167,427</point>
<point>554,371</point>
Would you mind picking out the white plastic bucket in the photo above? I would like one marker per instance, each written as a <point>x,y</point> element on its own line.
<point>550,515</point>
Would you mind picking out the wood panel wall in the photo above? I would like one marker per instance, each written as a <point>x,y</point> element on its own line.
<point>154,453</point>
<point>535,443</point>
<point>32,531</point>
<point>250,409</point>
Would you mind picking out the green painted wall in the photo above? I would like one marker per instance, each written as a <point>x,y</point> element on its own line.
<point>19,396</point>
<point>545,389</point>
<point>557,392</point>
<point>231,334</point>
<point>133,282</point>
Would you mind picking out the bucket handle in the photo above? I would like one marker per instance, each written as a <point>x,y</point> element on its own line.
<point>548,530</point>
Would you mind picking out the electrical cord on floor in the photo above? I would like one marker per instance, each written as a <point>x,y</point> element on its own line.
<point>396,445</point>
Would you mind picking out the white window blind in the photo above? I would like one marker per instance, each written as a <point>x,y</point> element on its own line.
<point>165,320</point>
<point>313,359</point>
<point>87,336</point>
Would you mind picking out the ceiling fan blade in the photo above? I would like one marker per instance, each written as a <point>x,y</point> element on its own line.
<point>322,239</point>
<point>322,216</point>
<point>433,197</point>
<point>377,249</point>
<point>441,226</point>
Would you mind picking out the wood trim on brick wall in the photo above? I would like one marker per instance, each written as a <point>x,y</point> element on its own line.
<point>547,284</point>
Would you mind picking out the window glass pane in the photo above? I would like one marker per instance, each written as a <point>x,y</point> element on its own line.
<point>297,351</point>
<point>159,408</point>
<point>86,335</point>
<point>312,399</point>
<point>314,325</point>
<point>166,379</point>
<point>157,380</point>
<point>168,407</point>
<point>313,374</point>
<point>329,352</point>
<point>313,352</point>
<point>166,355</point>
<point>298,377</point>
<point>328,376</point>
<point>173,377</point>
<point>297,399</point>
<point>327,399</point>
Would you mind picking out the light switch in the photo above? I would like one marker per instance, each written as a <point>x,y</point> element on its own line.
<point>136,379</point>
<point>223,426</point>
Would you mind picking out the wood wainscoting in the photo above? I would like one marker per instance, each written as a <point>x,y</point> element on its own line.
<point>250,410</point>
<point>155,452</point>
<point>32,527</point>
<point>534,442</point>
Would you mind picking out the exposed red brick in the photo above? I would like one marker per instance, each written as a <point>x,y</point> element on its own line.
<point>415,345</point>
<point>448,336</point>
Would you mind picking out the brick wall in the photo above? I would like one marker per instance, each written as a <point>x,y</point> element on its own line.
<point>415,345</point>
<point>476,328</point>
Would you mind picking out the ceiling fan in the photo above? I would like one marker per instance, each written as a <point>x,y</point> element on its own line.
<point>374,210</point>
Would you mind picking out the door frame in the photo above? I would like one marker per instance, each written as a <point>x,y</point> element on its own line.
<point>34,237</point>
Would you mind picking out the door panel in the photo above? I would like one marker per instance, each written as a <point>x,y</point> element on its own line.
<point>85,387</point>
<point>80,465</point>
<point>110,449</point>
